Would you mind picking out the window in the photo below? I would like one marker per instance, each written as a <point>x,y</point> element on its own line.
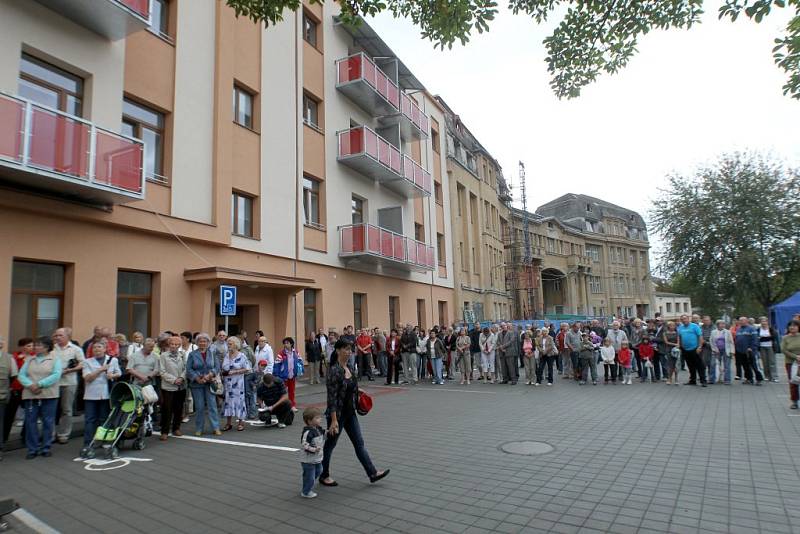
<point>241,214</point>
<point>50,86</point>
<point>357,210</point>
<point>310,111</point>
<point>310,28</point>
<point>685,307</point>
<point>440,252</point>
<point>551,245</point>
<point>461,194</point>
<point>473,208</point>
<point>435,140</point>
<point>596,284</point>
<point>593,251</point>
<point>359,310</point>
<point>421,320</point>
<point>310,310</point>
<point>159,11</point>
<point>462,257</point>
<point>242,107</point>
<point>589,208</point>
<point>148,125</point>
<point>394,311</point>
<point>437,192</point>
<point>632,257</point>
<point>443,312</point>
<point>419,232</point>
<point>133,302</point>
<point>669,307</point>
<point>37,299</point>
<point>643,260</point>
<point>474,261</point>
<point>311,201</point>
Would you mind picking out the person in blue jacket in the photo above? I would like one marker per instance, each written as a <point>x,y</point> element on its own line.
<point>691,343</point>
<point>745,343</point>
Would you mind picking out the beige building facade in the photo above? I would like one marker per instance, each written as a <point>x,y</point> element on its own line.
<point>672,305</point>
<point>151,150</point>
<point>582,257</point>
<point>479,210</point>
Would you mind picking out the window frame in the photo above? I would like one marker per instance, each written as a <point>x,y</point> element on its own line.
<point>441,253</point>
<point>312,307</point>
<point>36,294</point>
<point>307,17</point>
<point>307,97</point>
<point>138,124</point>
<point>134,298</point>
<point>235,195</point>
<point>357,208</point>
<point>62,92</point>
<point>163,28</point>
<point>308,195</point>
<point>360,315</point>
<point>239,90</point>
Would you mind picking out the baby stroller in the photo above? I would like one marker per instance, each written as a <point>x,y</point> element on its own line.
<point>129,419</point>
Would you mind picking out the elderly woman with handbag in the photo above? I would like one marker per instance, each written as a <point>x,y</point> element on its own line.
<point>202,373</point>
<point>39,376</point>
<point>234,367</point>
<point>341,415</point>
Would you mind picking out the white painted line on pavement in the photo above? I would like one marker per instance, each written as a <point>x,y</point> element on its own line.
<point>239,443</point>
<point>32,522</point>
<point>460,391</point>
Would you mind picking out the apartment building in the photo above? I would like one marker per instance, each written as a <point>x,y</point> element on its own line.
<point>582,256</point>
<point>151,150</point>
<point>672,305</point>
<point>479,200</point>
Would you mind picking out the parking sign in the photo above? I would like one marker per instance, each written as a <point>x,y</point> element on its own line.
<point>227,300</point>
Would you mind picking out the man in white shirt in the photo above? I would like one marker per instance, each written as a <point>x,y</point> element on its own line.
<point>71,357</point>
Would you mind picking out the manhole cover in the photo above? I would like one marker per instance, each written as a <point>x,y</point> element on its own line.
<point>527,448</point>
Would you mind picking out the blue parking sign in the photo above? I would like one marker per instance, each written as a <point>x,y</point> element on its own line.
<point>227,300</point>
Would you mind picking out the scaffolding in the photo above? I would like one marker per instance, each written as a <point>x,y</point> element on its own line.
<point>522,268</point>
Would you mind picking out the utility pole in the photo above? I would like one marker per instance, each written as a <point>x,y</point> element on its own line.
<point>527,259</point>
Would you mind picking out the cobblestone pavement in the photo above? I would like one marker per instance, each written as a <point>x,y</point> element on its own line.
<point>640,458</point>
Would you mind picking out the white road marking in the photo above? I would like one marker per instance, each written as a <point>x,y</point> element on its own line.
<point>239,443</point>
<point>462,391</point>
<point>98,464</point>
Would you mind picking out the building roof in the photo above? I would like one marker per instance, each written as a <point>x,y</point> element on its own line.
<point>570,201</point>
<point>666,294</point>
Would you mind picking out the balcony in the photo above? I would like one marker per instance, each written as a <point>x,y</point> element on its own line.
<point>413,122</point>
<point>367,86</point>
<point>372,244</point>
<point>113,19</point>
<point>46,150</point>
<point>371,89</point>
<point>370,154</point>
<point>574,260</point>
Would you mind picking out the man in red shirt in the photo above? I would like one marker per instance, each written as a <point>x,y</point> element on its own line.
<point>364,354</point>
<point>564,359</point>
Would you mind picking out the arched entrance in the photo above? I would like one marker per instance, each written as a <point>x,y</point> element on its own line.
<point>554,289</point>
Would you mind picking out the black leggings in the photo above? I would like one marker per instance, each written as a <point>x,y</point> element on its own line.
<point>394,369</point>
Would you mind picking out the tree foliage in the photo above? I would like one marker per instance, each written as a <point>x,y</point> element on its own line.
<point>730,231</point>
<point>593,36</point>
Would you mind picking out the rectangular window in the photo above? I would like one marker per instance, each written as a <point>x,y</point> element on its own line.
<point>310,111</point>
<point>593,251</point>
<point>50,86</point>
<point>669,307</point>
<point>440,251</point>
<point>685,307</point>
<point>551,245</point>
<point>421,316</point>
<point>311,201</point>
<point>437,192</point>
<point>310,28</point>
<point>394,311</point>
<point>419,232</point>
<point>443,312</point>
<point>461,194</point>
<point>148,125</point>
<point>473,208</point>
<point>643,260</point>
<point>359,310</point>
<point>462,257</point>
<point>242,107</point>
<point>474,261</point>
<point>241,214</point>
<point>159,12</point>
<point>134,291</point>
<point>37,299</point>
<point>310,310</point>
<point>435,140</point>
<point>357,210</point>
<point>632,258</point>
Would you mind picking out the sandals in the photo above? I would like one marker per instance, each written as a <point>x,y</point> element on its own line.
<point>240,427</point>
<point>330,484</point>
<point>227,427</point>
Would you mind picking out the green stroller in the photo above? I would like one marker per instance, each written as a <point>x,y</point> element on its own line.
<point>129,420</point>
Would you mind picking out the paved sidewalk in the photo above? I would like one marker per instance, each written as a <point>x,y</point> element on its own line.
<point>640,458</point>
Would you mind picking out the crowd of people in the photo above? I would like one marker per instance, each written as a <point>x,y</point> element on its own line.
<point>232,378</point>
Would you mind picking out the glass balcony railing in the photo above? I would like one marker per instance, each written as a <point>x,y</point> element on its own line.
<point>45,149</point>
<point>365,151</point>
<point>370,242</point>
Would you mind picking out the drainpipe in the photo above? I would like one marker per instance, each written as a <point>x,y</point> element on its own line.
<point>298,140</point>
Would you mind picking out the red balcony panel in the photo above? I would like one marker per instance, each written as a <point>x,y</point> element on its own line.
<point>118,162</point>
<point>346,245</point>
<point>384,152</point>
<point>142,7</point>
<point>431,258</point>
<point>374,239</point>
<point>386,244</point>
<point>369,70</point>
<point>393,95</point>
<point>12,125</point>
<point>350,69</point>
<point>59,143</point>
<point>367,85</point>
<point>370,142</point>
<point>399,247</point>
<point>351,142</point>
<point>412,252</point>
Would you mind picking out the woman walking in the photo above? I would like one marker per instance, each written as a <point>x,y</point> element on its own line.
<point>341,415</point>
<point>234,367</point>
<point>464,356</point>
<point>201,373</point>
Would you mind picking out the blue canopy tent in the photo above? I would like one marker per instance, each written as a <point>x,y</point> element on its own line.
<point>781,313</point>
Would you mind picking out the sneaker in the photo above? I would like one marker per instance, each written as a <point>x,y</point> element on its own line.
<point>537,384</point>
<point>47,454</point>
<point>793,405</point>
<point>549,383</point>
<point>594,382</point>
<point>281,425</point>
<point>185,420</point>
<point>218,432</point>
<point>309,495</point>
<point>198,434</point>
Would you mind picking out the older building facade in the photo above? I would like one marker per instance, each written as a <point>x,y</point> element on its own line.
<point>479,210</point>
<point>672,305</point>
<point>582,256</point>
<point>151,150</point>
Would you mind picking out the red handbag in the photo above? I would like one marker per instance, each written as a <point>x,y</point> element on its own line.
<point>364,404</point>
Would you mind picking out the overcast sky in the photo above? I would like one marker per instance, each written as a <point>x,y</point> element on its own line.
<point>685,98</point>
